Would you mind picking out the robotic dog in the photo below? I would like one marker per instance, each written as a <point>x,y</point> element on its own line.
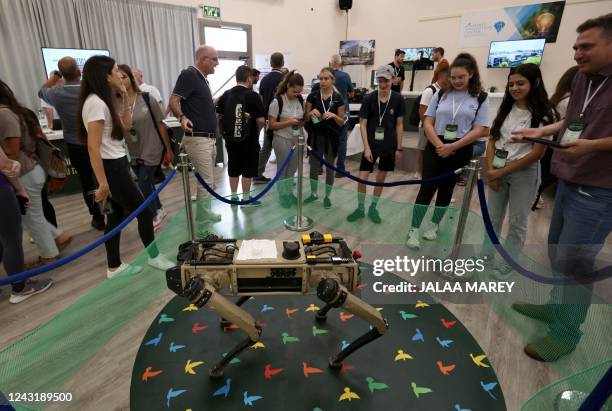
<point>212,268</point>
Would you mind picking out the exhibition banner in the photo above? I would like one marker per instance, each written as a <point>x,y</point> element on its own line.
<point>531,21</point>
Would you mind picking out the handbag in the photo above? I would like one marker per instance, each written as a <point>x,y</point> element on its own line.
<point>53,161</point>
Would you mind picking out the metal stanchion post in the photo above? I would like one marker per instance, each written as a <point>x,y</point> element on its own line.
<point>185,166</point>
<point>473,168</point>
<point>299,222</point>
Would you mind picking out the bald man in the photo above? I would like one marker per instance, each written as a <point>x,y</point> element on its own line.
<point>192,103</point>
<point>147,88</point>
<point>65,99</point>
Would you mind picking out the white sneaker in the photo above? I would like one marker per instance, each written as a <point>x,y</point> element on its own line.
<point>432,233</point>
<point>133,269</point>
<point>159,217</point>
<point>413,239</point>
<point>160,262</point>
<point>453,200</point>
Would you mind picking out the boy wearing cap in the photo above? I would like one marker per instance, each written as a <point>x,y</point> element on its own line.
<point>381,126</point>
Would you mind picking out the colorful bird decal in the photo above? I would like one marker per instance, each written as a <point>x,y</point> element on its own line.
<point>312,307</point>
<point>420,390</point>
<point>478,360</point>
<point>444,343</point>
<point>458,408</point>
<point>488,388</point>
<point>418,336</point>
<point>310,370</point>
<point>173,394</point>
<point>287,338</point>
<point>318,331</point>
<point>343,345</point>
<point>224,390</point>
<point>379,309</point>
<point>230,327</point>
<point>373,385</point>
<point>345,317</point>
<point>346,367</point>
<point>266,307</point>
<point>348,395</point>
<point>190,307</point>
<point>248,399</point>
<point>155,341</point>
<point>447,324</point>
<point>421,304</point>
<point>164,319</point>
<point>258,345</point>
<point>150,374</point>
<point>445,369</point>
<point>197,328</point>
<point>290,311</point>
<point>175,347</point>
<point>191,365</point>
<point>402,356</point>
<point>269,372</point>
<point>360,286</point>
<point>407,316</point>
<point>234,360</point>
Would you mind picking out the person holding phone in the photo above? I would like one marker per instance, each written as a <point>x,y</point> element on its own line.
<point>455,119</point>
<point>287,124</point>
<point>513,170</point>
<point>325,111</point>
<point>105,119</point>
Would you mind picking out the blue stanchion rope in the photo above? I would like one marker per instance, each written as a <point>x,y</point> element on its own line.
<point>377,184</point>
<point>588,278</point>
<point>600,394</point>
<point>252,199</point>
<point>65,260</point>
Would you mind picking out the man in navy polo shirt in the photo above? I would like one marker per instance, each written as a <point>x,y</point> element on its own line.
<point>193,104</point>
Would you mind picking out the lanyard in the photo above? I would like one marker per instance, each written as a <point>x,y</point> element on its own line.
<point>590,97</point>
<point>396,70</point>
<point>325,110</point>
<point>456,111</point>
<point>380,118</point>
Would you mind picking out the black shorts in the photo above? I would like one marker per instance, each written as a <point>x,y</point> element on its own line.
<point>385,162</point>
<point>242,160</point>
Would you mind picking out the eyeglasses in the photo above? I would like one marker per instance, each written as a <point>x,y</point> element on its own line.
<point>213,58</point>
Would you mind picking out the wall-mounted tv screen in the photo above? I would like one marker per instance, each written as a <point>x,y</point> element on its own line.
<point>513,53</point>
<point>420,57</point>
<point>52,55</point>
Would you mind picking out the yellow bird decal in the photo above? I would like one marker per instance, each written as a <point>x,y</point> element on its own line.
<point>402,356</point>
<point>478,360</point>
<point>191,365</point>
<point>190,307</point>
<point>348,395</point>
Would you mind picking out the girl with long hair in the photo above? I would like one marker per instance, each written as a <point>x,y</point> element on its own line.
<point>103,128</point>
<point>455,118</point>
<point>513,170</point>
<point>287,123</point>
<point>325,111</point>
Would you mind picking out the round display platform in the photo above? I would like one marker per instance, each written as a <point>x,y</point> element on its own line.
<point>427,360</point>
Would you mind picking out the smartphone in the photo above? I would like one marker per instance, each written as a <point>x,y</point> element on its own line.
<point>544,141</point>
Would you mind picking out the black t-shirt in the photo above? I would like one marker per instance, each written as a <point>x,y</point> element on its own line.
<point>254,107</point>
<point>394,107</point>
<point>197,102</point>
<point>333,103</point>
<point>267,87</point>
<point>399,72</point>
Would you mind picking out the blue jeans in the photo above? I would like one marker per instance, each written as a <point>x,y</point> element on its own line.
<point>342,140</point>
<point>146,177</point>
<point>580,224</point>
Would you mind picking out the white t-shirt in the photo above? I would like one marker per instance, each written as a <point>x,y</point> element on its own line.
<point>426,97</point>
<point>562,106</point>
<point>95,109</point>
<point>516,119</point>
<point>291,109</point>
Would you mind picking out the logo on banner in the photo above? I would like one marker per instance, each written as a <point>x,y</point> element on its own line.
<point>499,25</point>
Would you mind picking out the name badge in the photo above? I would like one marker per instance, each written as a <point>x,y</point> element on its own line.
<point>295,131</point>
<point>500,159</point>
<point>134,135</point>
<point>315,120</point>
<point>450,132</point>
<point>379,134</point>
<point>573,131</point>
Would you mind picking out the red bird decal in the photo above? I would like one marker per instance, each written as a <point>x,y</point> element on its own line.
<point>445,369</point>
<point>291,311</point>
<point>447,324</point>
<point>230,327</point>
<point>197,328</point>
<point>310,370</point>
<point>346,367</point>
<point>269,372</point>
<point>150,374</point>
<point>360,286</point>
<point>345,317</point>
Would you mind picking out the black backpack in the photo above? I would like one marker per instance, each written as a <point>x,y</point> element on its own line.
<point>414,118</point>
<point>236,120</point>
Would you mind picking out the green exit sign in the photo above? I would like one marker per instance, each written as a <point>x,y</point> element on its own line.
<point>211,11</point>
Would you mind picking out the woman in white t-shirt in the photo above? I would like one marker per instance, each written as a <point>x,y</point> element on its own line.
<point>513,169</point>
<point>103,127</point>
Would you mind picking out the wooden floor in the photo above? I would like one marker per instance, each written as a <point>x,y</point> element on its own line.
<point>108,388</point>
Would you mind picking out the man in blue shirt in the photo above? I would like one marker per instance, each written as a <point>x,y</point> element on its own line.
<point>345,87</point>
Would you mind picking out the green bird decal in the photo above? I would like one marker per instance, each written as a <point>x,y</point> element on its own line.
<point>420,390</point>
<point>287,338</point>
<point>318,331</point>
<point>373,385</point>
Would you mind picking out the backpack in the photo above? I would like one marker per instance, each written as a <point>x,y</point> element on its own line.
<point>236,121</point>
<point>279,100</point>
<point>482,96</point>
<point>414,118</point>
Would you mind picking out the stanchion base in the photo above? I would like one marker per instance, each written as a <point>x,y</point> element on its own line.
<point>291,224</point>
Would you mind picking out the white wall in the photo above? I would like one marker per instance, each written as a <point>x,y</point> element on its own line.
<point>311,30</point>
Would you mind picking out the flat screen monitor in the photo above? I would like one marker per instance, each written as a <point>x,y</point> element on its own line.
<point>52,55</point>
<point>419,57</point>
<point>513,53</point>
